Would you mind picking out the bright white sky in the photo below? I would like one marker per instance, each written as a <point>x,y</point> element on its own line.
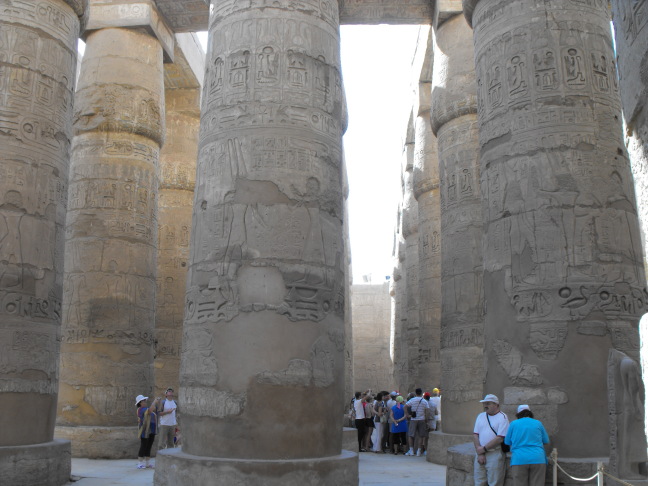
<point>376,64</point>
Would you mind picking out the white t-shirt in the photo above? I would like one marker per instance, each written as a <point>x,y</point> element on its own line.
<point>359,409</point>
<point>436,401</point>
<point>168,418</point>
<point>500,423</point>
<point>418,405</point>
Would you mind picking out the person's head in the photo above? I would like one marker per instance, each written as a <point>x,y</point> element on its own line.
<point>524,411</point>
<point>419,392</point>
<point>141,401</point>
<point>400,399</point>
<point>357,395</point>
<point>169,393</point>
<point>410,396</point>
<point>491,404</point>
<point>426,396</point>
<point>379,397</point>
<point>435,392</point>
<point>393,395</point>
<point>369,399</point>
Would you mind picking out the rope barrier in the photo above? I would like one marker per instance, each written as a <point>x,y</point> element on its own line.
<point>599,472</point>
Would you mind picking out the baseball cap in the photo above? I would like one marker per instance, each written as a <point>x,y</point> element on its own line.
<point>399,399</point>
<point>426,395</point>
<point>523,407</point>
<point>394,394</point>
<point>490,398</point>
<point>139,398</point>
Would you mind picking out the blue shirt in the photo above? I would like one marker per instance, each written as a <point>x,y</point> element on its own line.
<point>526,437</point>
<point>399,412</point>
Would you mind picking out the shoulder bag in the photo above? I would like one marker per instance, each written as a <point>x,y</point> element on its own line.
<point>505,448</point>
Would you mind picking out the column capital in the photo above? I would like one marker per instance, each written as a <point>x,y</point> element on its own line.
<point>143,14</point>
<point>469,8</point>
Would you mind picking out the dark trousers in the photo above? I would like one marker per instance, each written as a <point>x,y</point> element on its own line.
<point>362,429</point>
<point>145,446</point>
<point>385,437</point>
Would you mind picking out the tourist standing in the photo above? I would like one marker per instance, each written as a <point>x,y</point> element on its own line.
<point>489,432</point>
<point>147,423</point>
<point>369,421</point>
<point>358,406</point>
<point>527,437</point>
<point>168,421</point>
<point>416,411</point>
<point>435,400</point>
<point>398,425</point>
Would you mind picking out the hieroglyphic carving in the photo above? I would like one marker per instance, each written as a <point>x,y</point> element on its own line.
<point>512,360</point>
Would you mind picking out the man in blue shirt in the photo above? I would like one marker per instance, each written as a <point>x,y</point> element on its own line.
<point>527,437</point>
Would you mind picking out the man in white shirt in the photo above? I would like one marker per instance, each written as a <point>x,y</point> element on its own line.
<point>168,421</point>
<point>490,429</point>
<point>417,429</point>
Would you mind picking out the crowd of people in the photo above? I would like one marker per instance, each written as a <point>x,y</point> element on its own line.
<point>387,422</point>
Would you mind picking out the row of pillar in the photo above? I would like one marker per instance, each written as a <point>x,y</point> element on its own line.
<point>540,248</point>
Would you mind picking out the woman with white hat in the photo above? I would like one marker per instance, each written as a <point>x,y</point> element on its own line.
<point>527,437</point>
<point>147,422</point>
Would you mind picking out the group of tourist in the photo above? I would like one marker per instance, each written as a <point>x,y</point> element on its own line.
<point>159,415</point>
<point>493,437</point>
<point>390,423</point>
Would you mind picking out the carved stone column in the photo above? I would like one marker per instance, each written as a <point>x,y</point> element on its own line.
<point>38,56</point>
<point>563,270</point>
<point>454,121</point>
<point>177,181</point>
<point>111,237</point>
<point>410,233</point>
<point>426,191</point>
<point>398,341</point>
<point>263,346</point>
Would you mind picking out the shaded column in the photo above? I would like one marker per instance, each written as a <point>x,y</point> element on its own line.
<point>38,57</point>
<point>410,233</point>
<point>454,121</point>
<point>426,191</point>
<point>111,239</point>
<point>263,346</point>
<point>398,341</point>
<point>563,270</point>
<point>175,204</point>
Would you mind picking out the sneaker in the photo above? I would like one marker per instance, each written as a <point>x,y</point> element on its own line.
<point>409,453</point>
<point>425,453</point>
<point>418,453</point>
<point>141,466</point>
<point>149,466</point>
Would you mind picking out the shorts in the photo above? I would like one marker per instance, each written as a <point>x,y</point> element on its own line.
<point>417,427</point>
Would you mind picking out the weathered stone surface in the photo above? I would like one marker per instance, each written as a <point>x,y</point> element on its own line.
<point>90,441</point>
<point>554,169</point>
<point>38,59</point>
<point>350,439</point>
<point>371,307</point>
<point>142,14</point>
<point>440,442</point>
<point>177,467</point>
<point>264,318</point>
<point>45,464</point>
<point>111,244</point>
<point>454,120</point>
<point>175,204</point>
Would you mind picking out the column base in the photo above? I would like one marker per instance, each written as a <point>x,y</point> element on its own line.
<point>438,444</point>
<point>460,468</point>
<point>47,464</point>
<point>102,442</point>
<point>174,467</point>
<point>350,439</point>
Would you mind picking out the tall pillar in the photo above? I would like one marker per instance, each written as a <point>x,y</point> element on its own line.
<point>410,233</point>
<point>398,341</point>
<point>175,204</point>
<point>111,237</point>
<point>454,121</point>
<point>38,56</point>
<point>563,270</point>
<point>426,191</point>
<point>263,346</point>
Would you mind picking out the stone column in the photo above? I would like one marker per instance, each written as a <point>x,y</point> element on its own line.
<point>426,191</point>
<point>398,342</point>
<point>38,57</point>
<point>263,346</point>
<point>111,237</point>
<point>563,269</point>
<point>454,121</point>
<point>177,182</point>
<point>410,233</point>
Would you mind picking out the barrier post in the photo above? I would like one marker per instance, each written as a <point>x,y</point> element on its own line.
<point>599,469</point>
<point>554,457</point>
